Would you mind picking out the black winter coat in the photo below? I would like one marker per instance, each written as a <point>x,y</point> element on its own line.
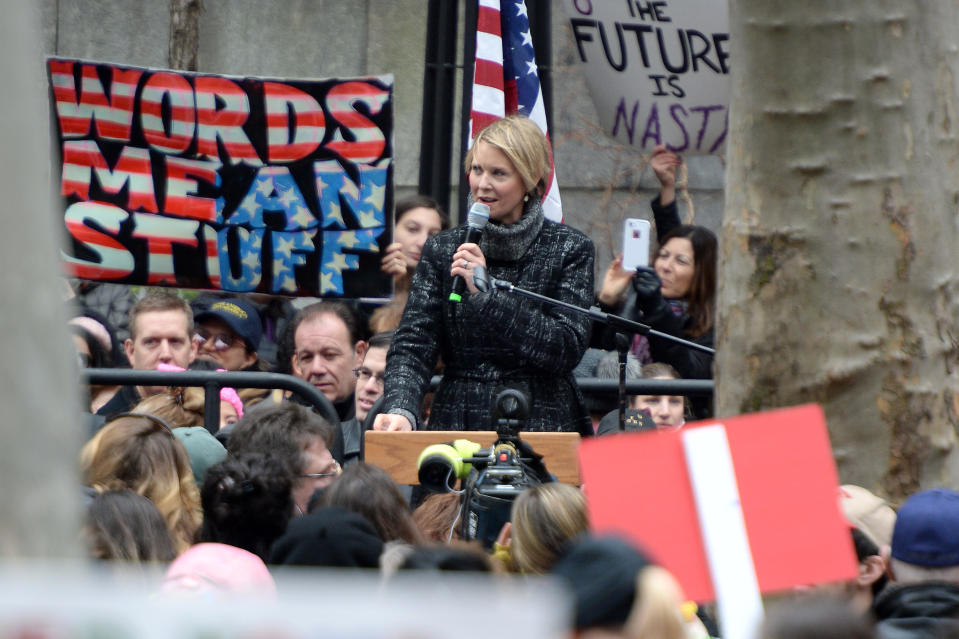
<point>497,339</point>
<point>927,610</point>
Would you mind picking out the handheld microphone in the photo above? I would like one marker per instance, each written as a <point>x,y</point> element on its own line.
<point>475,223</point>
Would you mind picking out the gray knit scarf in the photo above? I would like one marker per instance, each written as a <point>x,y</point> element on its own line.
<point>510,242</point>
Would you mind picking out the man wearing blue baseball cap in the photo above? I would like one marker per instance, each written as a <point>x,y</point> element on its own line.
<point>923,597</point>
<point>228,332</point>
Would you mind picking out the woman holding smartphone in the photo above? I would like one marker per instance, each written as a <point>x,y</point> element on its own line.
<point>677,295</point>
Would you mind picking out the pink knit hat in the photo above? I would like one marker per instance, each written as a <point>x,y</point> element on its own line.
<point>211,568</point>
<point>227,394</point>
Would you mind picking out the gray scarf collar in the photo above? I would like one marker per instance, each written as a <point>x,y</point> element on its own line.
<point>510,242</point>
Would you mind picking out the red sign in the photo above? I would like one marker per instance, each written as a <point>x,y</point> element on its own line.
<point>638,484</point>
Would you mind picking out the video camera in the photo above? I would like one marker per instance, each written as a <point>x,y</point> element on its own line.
<point>492,477</point>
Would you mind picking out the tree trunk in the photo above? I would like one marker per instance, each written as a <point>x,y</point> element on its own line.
<point>184,34</point>
<point>839,240</point>
<point>41,428</point>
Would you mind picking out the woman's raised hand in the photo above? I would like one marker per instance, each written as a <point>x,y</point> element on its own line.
<point>393,263</point>
<point>615,282</point>
<point>664,163</point>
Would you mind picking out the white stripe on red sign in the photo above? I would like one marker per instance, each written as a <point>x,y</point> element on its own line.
<point>709,463</point>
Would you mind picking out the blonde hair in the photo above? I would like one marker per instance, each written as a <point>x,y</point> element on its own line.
<point>656,609</point>
<point>178,406</point>
<point>544,518</point>
<point>523,143</point>
<point>141,454</point>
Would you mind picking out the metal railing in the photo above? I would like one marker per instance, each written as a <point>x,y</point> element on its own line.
<point>696,387</point>
<point>693,387</point>
<point>213,381</point>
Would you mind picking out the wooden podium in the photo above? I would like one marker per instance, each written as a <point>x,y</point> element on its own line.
<point>397,452</point>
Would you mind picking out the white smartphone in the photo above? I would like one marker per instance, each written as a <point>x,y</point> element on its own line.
<point>635,243</point>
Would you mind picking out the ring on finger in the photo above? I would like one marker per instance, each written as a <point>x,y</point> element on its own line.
<point>466,264</point>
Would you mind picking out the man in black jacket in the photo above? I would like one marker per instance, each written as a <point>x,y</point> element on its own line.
<point>327,347</point>
<point>923,598</point>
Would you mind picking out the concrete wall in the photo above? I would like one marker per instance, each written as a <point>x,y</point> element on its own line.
<point>601,181</point>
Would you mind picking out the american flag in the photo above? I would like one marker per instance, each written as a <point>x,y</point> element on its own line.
<point>506,81</point>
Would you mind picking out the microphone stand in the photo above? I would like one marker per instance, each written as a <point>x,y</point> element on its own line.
<point>622,347</point>
<point>621,325</point>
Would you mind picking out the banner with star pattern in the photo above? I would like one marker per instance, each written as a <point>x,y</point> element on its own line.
<point>239,184</point>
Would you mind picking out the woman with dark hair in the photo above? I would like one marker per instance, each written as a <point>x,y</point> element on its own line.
<point>122,525</point>
<point>677,295</point>
<point>667,411</point>
<point>247,502</point>
<point>417,218</point>
<point>648,412</point>
<point>368,491</point>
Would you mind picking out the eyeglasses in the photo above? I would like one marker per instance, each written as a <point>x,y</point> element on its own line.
<point>333,473</point>
<point>221,341</point>
<point>363,374</point>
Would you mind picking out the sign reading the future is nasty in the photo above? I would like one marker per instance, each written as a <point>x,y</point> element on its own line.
<point>658,70</point>
<point>241,184</point>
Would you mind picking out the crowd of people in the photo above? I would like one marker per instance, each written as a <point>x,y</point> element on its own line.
<point>278,483</point>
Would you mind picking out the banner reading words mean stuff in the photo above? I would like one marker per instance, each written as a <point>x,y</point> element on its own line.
<point>240,184</point>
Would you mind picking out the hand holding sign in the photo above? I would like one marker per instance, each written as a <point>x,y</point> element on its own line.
<point>664,163</point>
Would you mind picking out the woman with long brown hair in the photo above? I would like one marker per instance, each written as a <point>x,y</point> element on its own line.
<point>416,219</point>
<point>369,491</point>
<point>677,294</point>
<point>140,453</point>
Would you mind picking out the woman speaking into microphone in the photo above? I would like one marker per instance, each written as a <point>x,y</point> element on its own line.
<point>496,339</point>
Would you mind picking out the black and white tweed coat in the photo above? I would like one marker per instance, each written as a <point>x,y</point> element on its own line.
<point>497,339</point>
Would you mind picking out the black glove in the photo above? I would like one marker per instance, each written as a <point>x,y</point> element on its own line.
<point>649,295</point>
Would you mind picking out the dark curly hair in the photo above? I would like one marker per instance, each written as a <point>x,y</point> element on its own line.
<point>247,502</point>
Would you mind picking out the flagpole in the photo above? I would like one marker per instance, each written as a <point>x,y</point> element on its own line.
<point>470,13</point>
<point>540,21</point>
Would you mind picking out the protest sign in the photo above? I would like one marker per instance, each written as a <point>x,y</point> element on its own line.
<point>640,485</point>
<point>193,180</point>
<point>658,71</point>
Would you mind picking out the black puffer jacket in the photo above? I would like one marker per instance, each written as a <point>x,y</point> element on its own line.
<point>929,610</point>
